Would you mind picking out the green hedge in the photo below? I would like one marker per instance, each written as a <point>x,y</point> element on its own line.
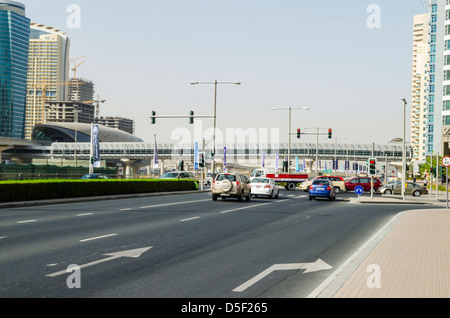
<point>59,188</point>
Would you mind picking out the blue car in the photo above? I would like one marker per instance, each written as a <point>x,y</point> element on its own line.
<point>322,188</point>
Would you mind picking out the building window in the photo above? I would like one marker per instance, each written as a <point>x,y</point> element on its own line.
<point>433,48</point>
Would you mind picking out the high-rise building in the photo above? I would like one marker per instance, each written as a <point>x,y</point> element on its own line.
<point>438,116</point>
<point>14,41</point>
<point>420,76</point>
<point>70,112</point>
<point>48,72</point>
<point>120,123</point>
<point>81,90</point>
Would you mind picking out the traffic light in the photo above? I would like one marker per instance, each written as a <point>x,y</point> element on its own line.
<point>299,132</point>
<point>372,166</point>
<point>201,159</point>
<point>181,165</point>
<point>433,172</point>
<point>92,160</point>
<point>153,117</point>
<point>285,166</point>
<point>330,133</point>
<point>191,118</point>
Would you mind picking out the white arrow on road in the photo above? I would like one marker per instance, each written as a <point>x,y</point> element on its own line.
<point>135,253</point>
<point>309,267</point>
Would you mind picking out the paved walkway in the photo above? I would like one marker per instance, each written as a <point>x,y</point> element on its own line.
<point>408,258</point>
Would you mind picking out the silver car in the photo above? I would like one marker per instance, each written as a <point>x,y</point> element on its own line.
<point>395,187</point>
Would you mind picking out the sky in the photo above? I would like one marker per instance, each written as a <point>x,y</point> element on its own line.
<point>348,61</point>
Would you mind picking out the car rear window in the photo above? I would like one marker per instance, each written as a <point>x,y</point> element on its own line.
<point>321,181</point>
<point>222,177</point>
<point>260,180</point>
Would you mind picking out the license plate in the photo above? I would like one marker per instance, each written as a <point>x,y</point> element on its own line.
<point>320,189</point>
<point>225,195</point>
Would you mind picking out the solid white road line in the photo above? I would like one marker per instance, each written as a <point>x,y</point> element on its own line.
<point>193,218</point>
<point>84,214</point>
<point>26,221</point>
<point>247,207</point>
<point>175,203</point>
<point>98,237</point>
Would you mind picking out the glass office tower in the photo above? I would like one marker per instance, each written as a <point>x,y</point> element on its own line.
<point>14,43</point>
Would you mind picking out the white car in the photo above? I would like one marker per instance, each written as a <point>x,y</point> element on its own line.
<point>265,187</point>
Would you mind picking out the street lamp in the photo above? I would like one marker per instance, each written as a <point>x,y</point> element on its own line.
<point>404,150</point>
<point>213,151</point>
<point>289,131</point>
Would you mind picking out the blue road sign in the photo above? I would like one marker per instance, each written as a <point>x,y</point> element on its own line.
<point>359,189</point>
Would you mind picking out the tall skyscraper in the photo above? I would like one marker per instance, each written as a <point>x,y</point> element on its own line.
<point>48,72</point>
<point>14,41</point>
<point>420,76</point>
<point>438,115</point>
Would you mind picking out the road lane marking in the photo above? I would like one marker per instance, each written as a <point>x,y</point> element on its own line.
<point>84,214</point>
<point>98,237</point>
<point>136,253</point>
<point>126,209</point>
<point>26,221</point>
<point>319,265</point>
<point>193,218</point>
<point>2,237</point>
<point>247,207</point>
<point>175,203</point>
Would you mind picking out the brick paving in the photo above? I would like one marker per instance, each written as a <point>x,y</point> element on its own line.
<point>412,260</point>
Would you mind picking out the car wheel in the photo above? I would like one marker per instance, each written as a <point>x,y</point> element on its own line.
<point>271,195</point>
<point>338,189</point>
<point>388,192</point>
<point>291,186</point>
<point>241,196</point>
<point>416,193</point>
<point>276,195</point>
<point>248,198</point>
<point>214,197</point>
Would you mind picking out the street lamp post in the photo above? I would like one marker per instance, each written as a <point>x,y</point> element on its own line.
<point>404,150</point>
<point>213,150</point>
<point>76,112</point>
<point>289,131</point>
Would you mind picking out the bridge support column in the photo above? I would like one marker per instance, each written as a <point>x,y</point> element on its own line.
<point>129,169</point>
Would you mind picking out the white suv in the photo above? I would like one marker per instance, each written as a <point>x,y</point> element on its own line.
<point>231,185</point>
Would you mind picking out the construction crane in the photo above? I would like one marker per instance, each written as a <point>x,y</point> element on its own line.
<point>74,69</point>
<point>97,105</point>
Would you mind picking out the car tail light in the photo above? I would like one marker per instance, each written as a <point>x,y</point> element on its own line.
<point>328,188</point>
<point>267,186</point>
<point>237,185</point>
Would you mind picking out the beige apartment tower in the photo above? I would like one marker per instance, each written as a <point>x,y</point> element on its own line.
<point>420,81</point>
<point>48,73</point>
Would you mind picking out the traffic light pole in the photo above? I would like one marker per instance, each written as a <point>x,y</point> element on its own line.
<point>329,133</point>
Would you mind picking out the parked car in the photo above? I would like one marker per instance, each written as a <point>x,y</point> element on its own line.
<point>322,188</point>
<point>364,182</point>
<point>395,187</point>
<point>95,176</point>
<point>265,187</point>
<point>338,183</point>
<point>231,185</point>
<point>177,175</point>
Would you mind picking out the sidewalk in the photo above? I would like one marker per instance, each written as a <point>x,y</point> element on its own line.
<point>408,258</point>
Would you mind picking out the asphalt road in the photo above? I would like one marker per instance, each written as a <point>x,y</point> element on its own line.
<point>182,246</point>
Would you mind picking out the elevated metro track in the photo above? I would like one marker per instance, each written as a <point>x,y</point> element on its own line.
<point>239,154</point>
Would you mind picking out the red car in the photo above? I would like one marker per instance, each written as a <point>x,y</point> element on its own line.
<point>364,182</point>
